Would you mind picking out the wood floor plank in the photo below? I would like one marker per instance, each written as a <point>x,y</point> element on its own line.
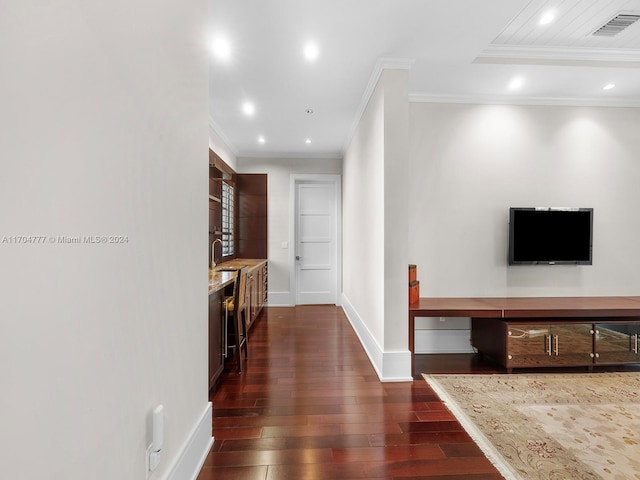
<point>309,405</point>
<point>389,454</point>
<point>233,473</point>
<point>269,457</point>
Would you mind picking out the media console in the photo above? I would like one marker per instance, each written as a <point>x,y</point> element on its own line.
<point>525,332</point>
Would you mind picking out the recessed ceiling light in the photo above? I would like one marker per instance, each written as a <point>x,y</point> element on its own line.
<point>248,108</point>
<point>308,140</point>
<point>516,83</point>
<point>609,86</point>
<point>547,17</point>
<point>311,51</point>
<point>221,48</point>
<point>309,111</point>
<point>261,139</point>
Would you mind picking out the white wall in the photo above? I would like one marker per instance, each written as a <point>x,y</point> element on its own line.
<point>221,148</point>
<point>396,206</point>
<point>470,163</point>
<point>363,220</point>
<point>103,131</point>
<point>279,171</point>
<point>376,227</point>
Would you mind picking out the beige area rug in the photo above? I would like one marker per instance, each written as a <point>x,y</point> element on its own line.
<point>550,426</point>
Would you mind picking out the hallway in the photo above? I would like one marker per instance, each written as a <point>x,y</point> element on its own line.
<point>310,406</point>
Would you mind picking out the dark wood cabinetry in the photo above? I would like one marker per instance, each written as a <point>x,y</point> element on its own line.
<point>219,173</point>
<point>544,343</point>
<point>522,332</point>
<point>216,337</point>
<point>256,292</point>
<point>215,205</point>
<point>556,343</point>
<point>237,218</point>
<point>250,200</point>
<point>564,344</point>
<point>252,215</point>
<point>221,284</point>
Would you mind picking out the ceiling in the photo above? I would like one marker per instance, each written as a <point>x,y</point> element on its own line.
<point>455,51</point>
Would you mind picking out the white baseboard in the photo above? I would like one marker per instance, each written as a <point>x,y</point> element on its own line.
<point>443,341</point>
<point>392,366</point>
<point>280,299</point>
<point>195,450</point>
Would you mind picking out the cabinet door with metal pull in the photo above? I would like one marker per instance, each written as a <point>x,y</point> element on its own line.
<point>543,345</point>
<point>616,342</point>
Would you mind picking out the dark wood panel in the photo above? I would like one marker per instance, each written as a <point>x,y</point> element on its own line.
<point>252,183</point>
<point>252,248</point>
<point>455,307</point>
<point>579,307</point>
<point>487,335</point>
<point>253,228</point>
<point>215,217</point>
<point>215,186</point>
<point>252,205</point>
<point>528,307</point>
<point>252,216</point>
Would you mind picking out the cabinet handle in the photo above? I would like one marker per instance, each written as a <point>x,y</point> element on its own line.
<point>547,339</point>
<point>556,347</point>
<point>635,343</point>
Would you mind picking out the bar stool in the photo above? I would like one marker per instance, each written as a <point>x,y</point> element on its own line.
<point>236,312</point>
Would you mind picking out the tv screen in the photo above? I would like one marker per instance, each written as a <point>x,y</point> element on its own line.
<point>550,236</point>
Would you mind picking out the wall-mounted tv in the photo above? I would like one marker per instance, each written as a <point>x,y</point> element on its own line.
<point>550,236</point>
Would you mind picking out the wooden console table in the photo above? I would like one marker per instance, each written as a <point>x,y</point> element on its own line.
<point>522,332</point>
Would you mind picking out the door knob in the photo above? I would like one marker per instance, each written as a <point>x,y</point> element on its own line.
<point>298,257</point>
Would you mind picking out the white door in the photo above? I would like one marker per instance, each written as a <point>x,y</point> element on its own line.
<point>316,241</point>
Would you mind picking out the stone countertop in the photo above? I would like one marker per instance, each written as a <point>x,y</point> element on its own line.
<point>225,273</point>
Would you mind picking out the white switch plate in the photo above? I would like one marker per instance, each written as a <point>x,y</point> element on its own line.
<point>285,244</point>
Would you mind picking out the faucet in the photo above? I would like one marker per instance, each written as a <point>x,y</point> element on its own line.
<point>213,261</point>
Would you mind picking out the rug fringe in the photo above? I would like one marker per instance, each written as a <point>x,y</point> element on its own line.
<point>492,454</point>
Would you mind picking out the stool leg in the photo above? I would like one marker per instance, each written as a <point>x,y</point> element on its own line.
<point>245,334</point>
<point>237,316</point>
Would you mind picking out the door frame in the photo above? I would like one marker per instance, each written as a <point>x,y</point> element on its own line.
<point>294,180</point>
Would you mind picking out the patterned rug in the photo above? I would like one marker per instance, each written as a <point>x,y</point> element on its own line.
<point>550,426</point>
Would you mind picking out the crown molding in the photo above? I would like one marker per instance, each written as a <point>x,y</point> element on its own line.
<point>381,65</point>
<point>514,100</point>
<point>560,56</point>
<point>218,131</point>
<point>292,155</point>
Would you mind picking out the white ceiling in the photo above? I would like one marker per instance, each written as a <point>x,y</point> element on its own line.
<point>455,50</point>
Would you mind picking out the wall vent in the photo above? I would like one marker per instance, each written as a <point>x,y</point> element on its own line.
<point>616,25</point>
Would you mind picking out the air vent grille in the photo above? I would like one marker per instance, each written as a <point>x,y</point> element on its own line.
<point>616,25</point>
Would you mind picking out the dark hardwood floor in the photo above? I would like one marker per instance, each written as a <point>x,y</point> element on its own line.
<point>310,406</point>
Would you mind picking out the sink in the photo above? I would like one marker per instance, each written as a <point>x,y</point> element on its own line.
<point>226,269</point>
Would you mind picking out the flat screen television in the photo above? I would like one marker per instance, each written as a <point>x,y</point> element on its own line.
<point>550,236</point>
